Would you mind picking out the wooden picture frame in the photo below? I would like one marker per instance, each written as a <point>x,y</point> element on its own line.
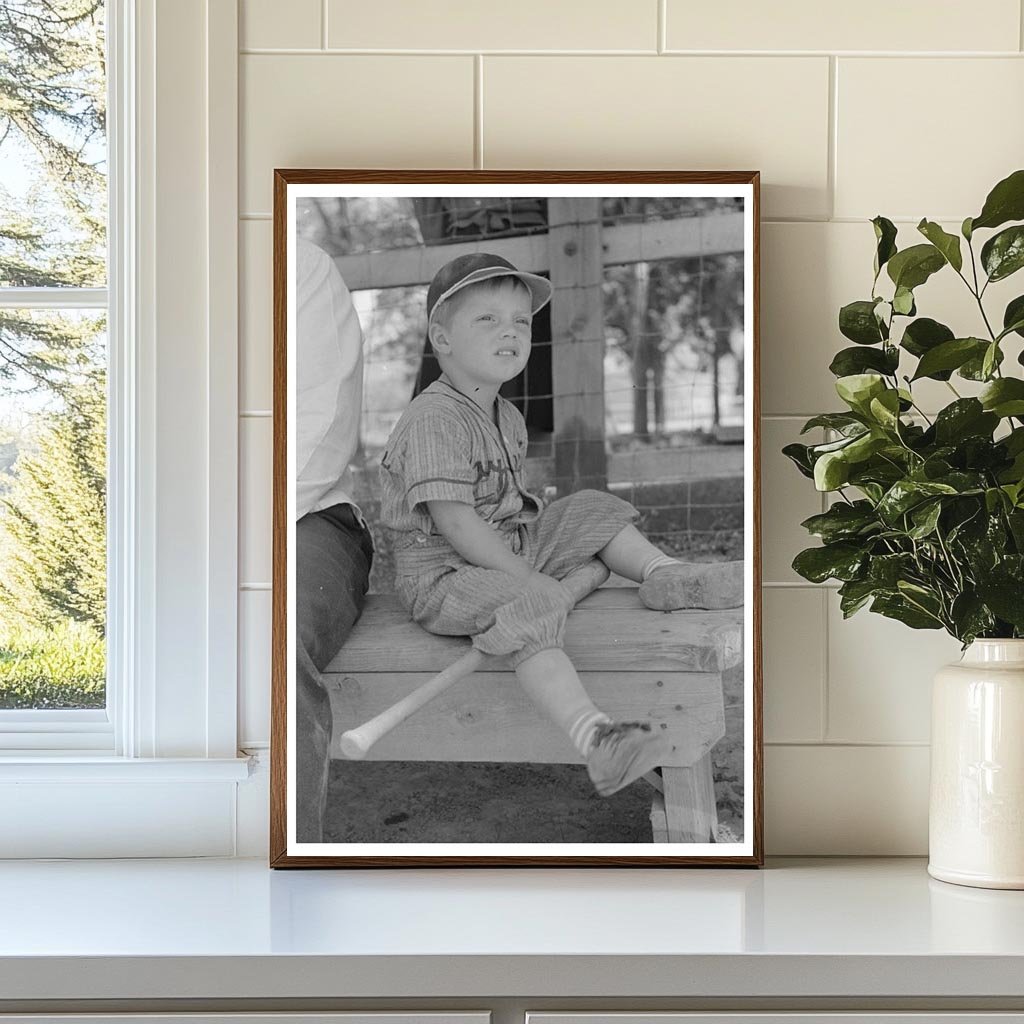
<point>615,244</point>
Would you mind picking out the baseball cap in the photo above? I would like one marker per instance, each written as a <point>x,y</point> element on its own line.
<point>474,267</point>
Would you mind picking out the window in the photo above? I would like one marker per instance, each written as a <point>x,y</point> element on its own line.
<point>53,372</point>
<point>107,781</point>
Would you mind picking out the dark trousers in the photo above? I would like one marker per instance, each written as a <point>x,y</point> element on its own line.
<point>333,555</point>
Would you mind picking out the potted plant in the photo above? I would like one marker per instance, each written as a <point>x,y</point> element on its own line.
<point>927,521</point>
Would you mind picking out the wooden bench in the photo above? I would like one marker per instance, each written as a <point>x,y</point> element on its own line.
<point>665,668</point>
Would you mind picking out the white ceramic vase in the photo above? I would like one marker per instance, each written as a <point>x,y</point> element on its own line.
<point>976,813</point>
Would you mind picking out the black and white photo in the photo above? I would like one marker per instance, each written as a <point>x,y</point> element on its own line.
<point>516,615</point>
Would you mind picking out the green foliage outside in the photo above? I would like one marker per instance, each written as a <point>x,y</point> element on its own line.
<point>52,366</point>
<point>53,543</point>
<point>928,525</point>
<point>60,667</point>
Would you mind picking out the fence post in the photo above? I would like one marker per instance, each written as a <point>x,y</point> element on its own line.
<point>577,335</point>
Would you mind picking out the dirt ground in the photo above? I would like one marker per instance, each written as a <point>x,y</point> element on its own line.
<point>428,802</point>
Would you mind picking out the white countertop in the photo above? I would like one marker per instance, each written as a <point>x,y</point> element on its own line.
<point>233,928</point>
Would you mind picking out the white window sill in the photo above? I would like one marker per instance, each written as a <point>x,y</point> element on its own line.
<point>79,805</point>
<point>77,766</point>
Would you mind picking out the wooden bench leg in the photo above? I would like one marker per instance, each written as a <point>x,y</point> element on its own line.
<point>687,812</point>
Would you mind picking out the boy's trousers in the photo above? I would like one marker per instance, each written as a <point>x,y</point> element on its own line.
<point>333,555</point>
<point>500,612</point>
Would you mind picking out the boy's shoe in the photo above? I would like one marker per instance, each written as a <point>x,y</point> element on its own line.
<point>694,585</point>
<point>621,753</point>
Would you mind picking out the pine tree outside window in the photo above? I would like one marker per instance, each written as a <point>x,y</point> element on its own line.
<point>53,370</point>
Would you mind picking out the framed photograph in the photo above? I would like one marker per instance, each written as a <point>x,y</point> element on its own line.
<point>516,553</point>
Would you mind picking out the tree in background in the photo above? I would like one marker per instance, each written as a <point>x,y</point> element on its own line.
<point>53,234</point>
<point>54,545</point>
<point>52,115</point>
<point>657,309</point>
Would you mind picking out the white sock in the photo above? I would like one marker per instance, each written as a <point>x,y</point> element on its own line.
<point>582,730</point>
<point>657,562</point>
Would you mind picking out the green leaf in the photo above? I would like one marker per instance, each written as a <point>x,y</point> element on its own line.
<point>1003,254</point>
<point>799,455</point>
<point>858,389</point>
<point>925,518</point>
<point>872,491</point>
<point>923,335</point>
<point>904,495</point>
<point>970,617</point>
<point>965,229</point>
<point>1013,317</point>
<point>857,321</point>
<point>1014,441</point>
<point>947,244</point>
<point>950,355</point>
<point>817,450</point>
<point>912,267</point>
<point>990,361</point>
<point>1003,595</point>
<point>885,236</point>
<point>885,409</point>
<point>841,421</point>
<point>849,361</point>
<point>966,417</point>
<point>886,571</point>
<point>831,471</point>
<point>854,594</point>
<point>903,302</point>
<point>897,607</point>
<point>974,368</point>
<point>1005,202</point>
<point>1004,397</point>
<point>843,521</point>
<point>840,561</point>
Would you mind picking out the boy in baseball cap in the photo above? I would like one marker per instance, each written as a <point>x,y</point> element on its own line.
<point>478,554</point>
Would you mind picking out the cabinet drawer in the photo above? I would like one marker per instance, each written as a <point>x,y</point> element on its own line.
<point>359,1017</point>
<point>790,1017</point>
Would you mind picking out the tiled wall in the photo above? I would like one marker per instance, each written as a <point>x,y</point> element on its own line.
<point>906,109</point>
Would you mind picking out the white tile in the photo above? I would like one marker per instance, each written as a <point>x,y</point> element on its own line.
<point>678,113</point>
<point>869,25</point>
<point>787,499</point>
<point>961,130</point>
<point>270,24</point>
<point>471,25</point>
<point>793,632</point>
<point>254,627</point>
<point>847,801</point>
<point>255,317</point>
<point>351,111</point>
<point>810,271</point>
<point>880,676</point>
<point>255,513</point>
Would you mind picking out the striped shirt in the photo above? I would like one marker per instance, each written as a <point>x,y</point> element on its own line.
<point>446,448</point>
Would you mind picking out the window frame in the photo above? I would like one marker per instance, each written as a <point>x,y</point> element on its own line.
<point>54,731</point>
<point>173,468</point>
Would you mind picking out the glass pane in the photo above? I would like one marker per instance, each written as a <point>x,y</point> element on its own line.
<point>52,509</point>
<point>53,149</point>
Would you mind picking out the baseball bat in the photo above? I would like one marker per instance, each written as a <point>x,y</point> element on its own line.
<point>355,743</point>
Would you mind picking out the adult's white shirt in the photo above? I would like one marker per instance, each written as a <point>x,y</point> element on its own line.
<point>329,388</point>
